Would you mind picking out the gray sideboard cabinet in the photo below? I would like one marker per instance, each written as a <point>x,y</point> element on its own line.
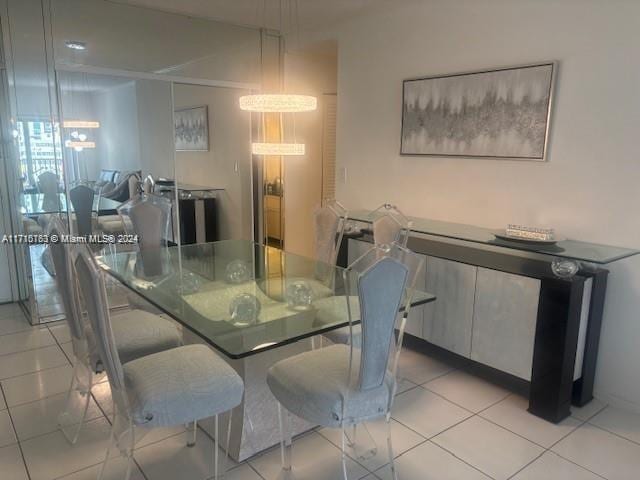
<point>507,318</point>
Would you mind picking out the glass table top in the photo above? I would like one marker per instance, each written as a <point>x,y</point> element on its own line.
<point>241,297</point>
<point>40,204</point>
<point>570,249</point>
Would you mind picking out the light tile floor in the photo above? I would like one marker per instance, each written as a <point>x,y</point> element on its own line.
<point>447,425</point>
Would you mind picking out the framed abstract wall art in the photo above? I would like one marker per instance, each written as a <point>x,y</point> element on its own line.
<point>191,126</point>
<point>500,113</point>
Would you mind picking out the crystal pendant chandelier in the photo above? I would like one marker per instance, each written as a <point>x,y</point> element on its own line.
<point>280,102</point>
<point>278,149</point>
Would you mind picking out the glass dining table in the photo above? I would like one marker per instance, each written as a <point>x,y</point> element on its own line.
<point>253,303</point>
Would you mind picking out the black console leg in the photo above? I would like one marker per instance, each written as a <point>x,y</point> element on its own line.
<point>583,387</point>
<point>556,343</point>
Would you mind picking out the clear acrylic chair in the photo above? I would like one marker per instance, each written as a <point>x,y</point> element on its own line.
<point>49,187</point>
<point>72,418</point>
<point>342,386</point>
<point>149,218</point>
<point>82,198</point>
<point>329,222</point>
<point>166,389</point>
<point>137,334</point>
<point>389,225</point>
<point>148,184</point>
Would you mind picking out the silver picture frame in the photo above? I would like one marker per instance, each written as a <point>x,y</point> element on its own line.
<point>499,113</point>
<point>191,129</point>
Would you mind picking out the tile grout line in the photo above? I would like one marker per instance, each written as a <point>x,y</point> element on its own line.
<point>528,439</point>
<point>254,469</point>
<point>549,450</point>
<point>430,439</point>
<point>475,414</point>
<point>425,439</point>
<point>19,443</point>
<point>461,459</point>
<point>436,377</point>
<point>397,457</point>
<point>42,369</point>
<point>582,424</point>
<point>611,432</point>
<point>59,343</point>
<point>465,408</point>
<point>527,464</point>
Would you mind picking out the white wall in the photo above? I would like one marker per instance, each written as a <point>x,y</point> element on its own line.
<point>117,139</point>
<point>227,164</point>
<point>589,188</point>
<point>155,129</point>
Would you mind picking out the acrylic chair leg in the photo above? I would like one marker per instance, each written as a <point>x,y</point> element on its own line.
<point>121,443</point>
<point>216,449</point>
<point>344,452</point>
<point>192,433</point>
<point>228,444</point>
<point>285,443</point>
<point>352,437</point>
<point>392,463</point>
<point>78,398</point>
<point>363,444</point>
<point>112,442</point>
<point>129,446</point>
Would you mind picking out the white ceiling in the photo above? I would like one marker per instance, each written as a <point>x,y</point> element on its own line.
<point>313,14</point>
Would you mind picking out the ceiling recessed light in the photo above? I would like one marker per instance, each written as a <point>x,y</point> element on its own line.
<point>75,45</point>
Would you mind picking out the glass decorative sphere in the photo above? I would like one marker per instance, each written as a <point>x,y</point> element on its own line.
<point>238,271</point>
<point>564,267</point>
<point>244,309</point>
<point>385,247</point>
<point>298,295</point>
<point>189,283</point>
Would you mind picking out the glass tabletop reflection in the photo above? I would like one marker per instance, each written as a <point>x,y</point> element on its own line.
<point>240,297</point>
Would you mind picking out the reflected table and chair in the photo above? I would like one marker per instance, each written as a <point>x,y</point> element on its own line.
<point>36,210</point>
<point>35,204</point>
<point>254,311</point>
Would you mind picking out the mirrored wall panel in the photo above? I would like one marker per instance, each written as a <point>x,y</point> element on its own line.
<point>102,96</point>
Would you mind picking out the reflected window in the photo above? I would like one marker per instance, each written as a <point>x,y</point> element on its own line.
<point>40,150</point>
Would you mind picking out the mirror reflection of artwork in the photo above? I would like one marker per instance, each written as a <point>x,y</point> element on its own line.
<point>501,113</point>
<point>191,129</point>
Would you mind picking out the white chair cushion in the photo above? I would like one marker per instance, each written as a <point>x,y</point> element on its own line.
<point>312,386</point>
<point>138,333</point>
<point>181,385</point>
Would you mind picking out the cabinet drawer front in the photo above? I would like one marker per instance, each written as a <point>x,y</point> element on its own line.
<point>504,321</point>
<point>415,322</point>
<point>448,320</point>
